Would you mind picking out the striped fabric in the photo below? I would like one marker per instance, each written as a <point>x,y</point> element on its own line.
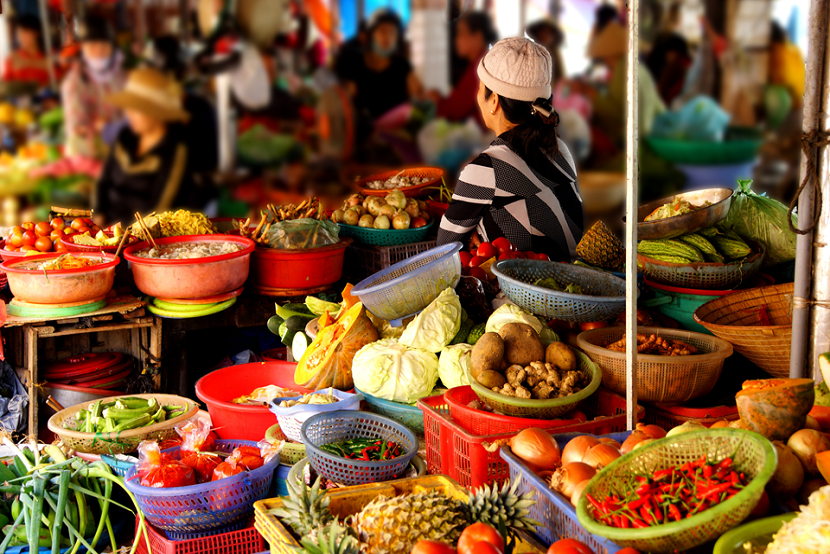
<point>533,201</point>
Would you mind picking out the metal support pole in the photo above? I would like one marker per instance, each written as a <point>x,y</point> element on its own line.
<point>819,84</point>
<point>802,287</point>
<point>632,171</point>
<point>47,41</point>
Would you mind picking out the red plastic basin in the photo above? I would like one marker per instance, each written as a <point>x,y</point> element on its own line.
<point>276,268</point>
<point>191,278</point>
<point>62,285</point>
<point>235,421</point>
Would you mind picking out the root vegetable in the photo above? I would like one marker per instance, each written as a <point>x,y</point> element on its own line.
<point>577,492</point>
<point>566,478</point>
<point>536,448</point>
<point>632,441</point>
<point>491,379</point>
<point>561,356</point>
<point>600,456</point>
<point>522,344</point>
<point>643,443</point>
<point>337,216</point>
<point>576,448</point>
<point>382,222</point>
<point>351,217</point>
<point>719,424</point>
<point>488,354</point>
<point>789,473</point>
<point>374,204</point>
<point>610,442</point>
<point>397,199</point>
<point>652,431</point>
<point>805,444</point>
<point>687,427</point>
<point>388,210</point>
<point>401,220</point>
<point>412,208</point>
<point>812,423</point>
<point>366,221</point>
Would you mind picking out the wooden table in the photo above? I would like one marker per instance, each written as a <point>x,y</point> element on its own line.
<point>121,314</point>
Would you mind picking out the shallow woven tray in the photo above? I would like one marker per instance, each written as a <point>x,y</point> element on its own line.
<point>704,276</point>
<point>126,441</point>
<point>735,318</point>
<point>669,379</point>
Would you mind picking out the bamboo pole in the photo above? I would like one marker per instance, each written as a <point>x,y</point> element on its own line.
<point>632,176</point>
<point>47,42</point>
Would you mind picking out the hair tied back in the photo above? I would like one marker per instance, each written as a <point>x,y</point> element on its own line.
<point>545,111</point>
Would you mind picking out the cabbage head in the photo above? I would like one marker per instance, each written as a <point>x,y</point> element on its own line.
<point>436,326</point>
<point>511,313</point>
<point>454,365</point>
<point>390,370</point>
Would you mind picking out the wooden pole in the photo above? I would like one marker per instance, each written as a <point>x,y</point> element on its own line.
<point>47,42</point>
<point>632,139</point>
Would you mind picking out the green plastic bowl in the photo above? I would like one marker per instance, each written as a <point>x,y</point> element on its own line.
<point>752,453</point>
<point>541,409</point>
<point>386,237</point>
<point>732,542</point>
<point>291,452</point>
<point>690,152</point>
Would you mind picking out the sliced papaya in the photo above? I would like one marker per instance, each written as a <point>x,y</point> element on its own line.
<point>823,463</point>
<point>327,362</point>
<point>775,408</point>
<point>324,321</point>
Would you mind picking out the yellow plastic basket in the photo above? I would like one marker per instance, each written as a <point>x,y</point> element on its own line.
<point>350,500</point>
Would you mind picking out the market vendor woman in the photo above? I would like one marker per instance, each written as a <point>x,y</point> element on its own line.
<point>146,168</point>
<point>523,187</point>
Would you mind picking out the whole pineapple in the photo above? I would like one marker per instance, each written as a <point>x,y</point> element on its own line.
<point>394,525</point>
<point>601,248</point>
<point>335,539</point>
<point>305,509</point>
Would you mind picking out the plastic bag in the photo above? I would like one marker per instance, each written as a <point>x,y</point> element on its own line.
<point>764,220</point>
<point>298,234</point>
<point>270,450</point>
<point>247,457</point>
<point>159,470</point>
<point>196,436</point>
<point>14,401</point>
<point>701,118</point>
<point>203,464</point>
<point>228,468</point>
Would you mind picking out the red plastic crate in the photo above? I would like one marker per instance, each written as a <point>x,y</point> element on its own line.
<point>452,450</point>
<point>243,541</point>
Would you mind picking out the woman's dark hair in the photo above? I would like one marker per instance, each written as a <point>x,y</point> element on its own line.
<point>777,33</point>
<point>28,22</point>
<point>533,130</point>
<point>168,56</point>
<point>385,16</point>
<point>605,14</point>
<point>480,22</point>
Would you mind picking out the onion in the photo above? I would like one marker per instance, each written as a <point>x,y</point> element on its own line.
<point>576,448</point>
<point>737,424</point>
<point>610,441</point>
<point>569,476</point>
<point>812,423</point>
<point>632,440</point>
<point>806,443</point>
<point>643,443</point>
<point>578,491</point>
<point>652,431</point>
<point>789,473</point>
<point>600,456</point>
<point>719,424</point>
<point>808,488</point>
<point>536,448</point>
<point>687,427</point>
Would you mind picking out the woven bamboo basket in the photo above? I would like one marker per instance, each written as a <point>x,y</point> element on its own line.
<point>736,319</point>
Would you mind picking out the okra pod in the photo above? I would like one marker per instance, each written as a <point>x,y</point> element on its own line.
<point>132,423</point>
<point>132,402</point>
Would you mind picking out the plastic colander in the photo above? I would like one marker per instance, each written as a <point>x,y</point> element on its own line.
<point>407,287</point>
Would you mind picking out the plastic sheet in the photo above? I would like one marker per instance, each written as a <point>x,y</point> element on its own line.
<point>762,219</point>
<point>300,234</point>
<point>700,119</point>
<point>14,401</point>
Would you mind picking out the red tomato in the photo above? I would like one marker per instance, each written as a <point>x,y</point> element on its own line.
<point>628,550</point>
<point>29,226</point>
<point>506,256</point>
<point>593,325</point>
<point>503,245</point>
<point>94,230</point>
<point>542,256</point>
<point>484,547</point>
<point>8,247</point>
<point>16,240</point>
<point>29,238</point>
<point>168,473</point>
<point>56,234</point>
<point>478,273</point>
<point>77,223</point>
<point>486,250</point>
<point>465,258</point>
<point>432,547</point>
<point>476,261</point>
<point>569,546</point>
<point>43,229</point>
<point>68,231</point>
<point>202,464</point>
<point>43,244</point>
<point>61,247</point>
<point>518,255</point>
<point>530,255</point>
<point>18,230</point>
<point>225,469</point>
<point>418,222</point>
<point>28,248</point>
<point>57,223</point>
<point>83,229</point>
<point>247,457</point>
<point>477,533</point>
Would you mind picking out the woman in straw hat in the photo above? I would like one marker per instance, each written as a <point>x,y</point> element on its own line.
<point>146,169</point>
<point>523,187</point>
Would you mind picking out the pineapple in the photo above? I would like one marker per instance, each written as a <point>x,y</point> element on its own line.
<point>601,248</point>
<point>306,509</point>
<point>395,525</point>
<point>336,539</point>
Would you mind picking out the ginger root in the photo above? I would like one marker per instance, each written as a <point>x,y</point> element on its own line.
<point>516,375</point>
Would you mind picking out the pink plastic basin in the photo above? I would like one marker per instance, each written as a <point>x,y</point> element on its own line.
<point>64,285</point>
<point>235,421</point>
<point>191,278</point>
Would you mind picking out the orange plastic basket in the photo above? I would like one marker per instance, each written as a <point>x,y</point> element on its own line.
<point>434,174</point>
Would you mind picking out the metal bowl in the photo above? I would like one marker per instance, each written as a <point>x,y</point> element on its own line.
<point>670,227</point>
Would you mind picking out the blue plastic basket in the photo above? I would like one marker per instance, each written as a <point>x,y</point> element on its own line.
<point>119,467</point>
<point>407,287</point>
<point>411,416</point>
<point>329,427</point>
<point>213,506</point>
<point>555,512</point>
<point>385,237</point>
<point>604,298</point>
<point>291,419</point>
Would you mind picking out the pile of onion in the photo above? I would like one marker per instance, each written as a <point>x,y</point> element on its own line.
<point>576,448</point>
<point>569,476</point>
<point>806,443</point>
<point>600,456</point>
<point>536,448</point>
<point>789,473</point>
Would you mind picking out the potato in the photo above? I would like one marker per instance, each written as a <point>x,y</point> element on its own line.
<point>561,356</point>
<point>491,379</point>
<point>487,354</point>
<point>522,344</point>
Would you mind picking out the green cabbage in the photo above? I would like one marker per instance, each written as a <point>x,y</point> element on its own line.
<point>454,365</point>
<point>511,313</point>
<point>390,370</point>
<point>436,326</point>
<point>548,336</point>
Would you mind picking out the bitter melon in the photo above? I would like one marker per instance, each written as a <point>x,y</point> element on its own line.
<point>698,242</point>
<point>732,249</point>
<point>684,250</point>
<point>670,259</point>
<point>714,258</point>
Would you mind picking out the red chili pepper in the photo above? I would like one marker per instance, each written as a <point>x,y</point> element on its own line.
<point>636,504</point>
<point>597,506</point>
<point>725,463</point>
<point>617,521</point>
<point>707,471</point>
<point>716,490</point>
<point>663,473</point>
<point>643,489</point>
<point>645,515</point>
<point>674,511</point>
<point>624,522</point>
<point>637,524</point>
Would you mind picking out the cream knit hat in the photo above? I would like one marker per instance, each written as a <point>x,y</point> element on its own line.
<point>517,68</point>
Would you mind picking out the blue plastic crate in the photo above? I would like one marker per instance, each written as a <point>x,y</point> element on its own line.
<point>552,510</point>
<point>197,510</point>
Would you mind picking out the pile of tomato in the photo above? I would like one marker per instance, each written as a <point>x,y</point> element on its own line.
<point>499,249</point>
<point>45,236</point>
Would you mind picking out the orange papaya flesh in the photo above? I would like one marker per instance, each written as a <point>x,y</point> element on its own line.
<point>324,321</point>
<point>823,463</point>
<point>327,362</point>
<point>775,408</point>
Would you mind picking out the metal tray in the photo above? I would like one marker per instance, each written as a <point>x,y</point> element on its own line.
<point>721,199</point>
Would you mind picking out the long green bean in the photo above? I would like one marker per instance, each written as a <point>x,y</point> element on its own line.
<point>63,497</point>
